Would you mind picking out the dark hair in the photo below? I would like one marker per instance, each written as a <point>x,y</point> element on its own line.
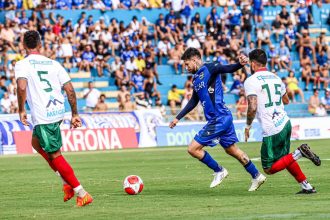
<point>258,55</point>
<point>190,53</point>
<point>315,90</point>
<point>174,86</point>
<point>102,95</point>
<point>32,39</point>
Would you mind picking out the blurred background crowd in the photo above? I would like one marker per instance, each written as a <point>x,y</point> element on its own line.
<point>131,58</point>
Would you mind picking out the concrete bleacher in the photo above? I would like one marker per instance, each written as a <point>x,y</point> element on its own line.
<point>167,74</point>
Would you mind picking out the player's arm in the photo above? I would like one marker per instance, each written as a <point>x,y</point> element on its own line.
<point>21,99</point>
<point>188,108</point>
<point>251,114</point>
<point>71,94</point>
<point>67,86</point>
<point>21,76</point>
<point>250,88</point>
<point>231,68</point>
<point>252,109</point>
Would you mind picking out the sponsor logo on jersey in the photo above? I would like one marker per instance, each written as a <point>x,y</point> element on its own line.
<point>263,78</point>
<point>40,62</point>
<point>54,102</point>
<point>199,86</point>
<point>201,75</point>
<point>54,107</point>
<point>211,89</point>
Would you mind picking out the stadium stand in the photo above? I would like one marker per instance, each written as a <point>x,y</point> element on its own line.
<point>67,32</point>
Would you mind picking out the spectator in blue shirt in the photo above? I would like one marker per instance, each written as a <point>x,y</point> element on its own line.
<point>302,13</point>
<point>257,9</point>
<point>24,20</point>
<point>235,17</point>
<point>272,57</point>
<point>170,16</point>
<point>290,36</point>
<point>284,56</point>
<point>137,82</point>
<point>237,85</point>
<point>126,4</point>
<point>18,4</point>
<point>159,19</point>
<point>214,16</point>
<point>322,59</point>
<point>78,4</point>
<point>89,22</point>
<point>63,4</point>
<point>88,58</point>
<point>127,54</point>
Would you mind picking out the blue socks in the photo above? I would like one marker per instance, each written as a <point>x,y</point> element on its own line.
<point>211,163</point>
<point>251,169</point>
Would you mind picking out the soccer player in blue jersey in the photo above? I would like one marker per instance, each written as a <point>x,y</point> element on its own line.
<point>219,128</point>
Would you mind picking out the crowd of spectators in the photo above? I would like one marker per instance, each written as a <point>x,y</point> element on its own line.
<point>136,49</point>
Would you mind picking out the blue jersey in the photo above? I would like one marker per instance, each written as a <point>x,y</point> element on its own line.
<point>302,14</point>
<point>207,87</point>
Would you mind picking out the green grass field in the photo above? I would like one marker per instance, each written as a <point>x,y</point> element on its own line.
<point>176,187</point>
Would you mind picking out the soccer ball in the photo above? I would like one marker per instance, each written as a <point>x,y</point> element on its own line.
<point>133,185</point>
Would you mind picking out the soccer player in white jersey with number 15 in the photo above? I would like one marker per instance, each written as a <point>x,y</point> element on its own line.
<point>266,94</point>
<point>40,81</point>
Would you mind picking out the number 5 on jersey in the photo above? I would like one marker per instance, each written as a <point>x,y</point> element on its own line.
<point>49,86</point>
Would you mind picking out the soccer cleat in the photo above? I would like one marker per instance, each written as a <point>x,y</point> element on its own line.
<point>68,192</point>
<point>87,199</point>
<point>257,182</point>
<point>309,154</point>
<point>307,191</point>
<point>219,177</point>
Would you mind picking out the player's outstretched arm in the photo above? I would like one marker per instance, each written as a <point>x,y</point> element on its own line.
<point>21,98</point>
<point>231,68</point>
<point>251,114</point>
<point>71,94</point>
<point>188,108</point>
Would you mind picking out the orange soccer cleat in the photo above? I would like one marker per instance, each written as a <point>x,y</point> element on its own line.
<point>68,192</point>
<point>87,199</point>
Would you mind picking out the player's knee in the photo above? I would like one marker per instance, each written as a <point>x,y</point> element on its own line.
<point>191,151</point>
<point>267,171</point>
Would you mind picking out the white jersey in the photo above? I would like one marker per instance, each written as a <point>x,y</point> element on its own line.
<point>45,79</point>
<point>269,90</point>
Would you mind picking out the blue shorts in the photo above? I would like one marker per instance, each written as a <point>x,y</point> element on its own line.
<point>258,12</point>
<point>218,132</point>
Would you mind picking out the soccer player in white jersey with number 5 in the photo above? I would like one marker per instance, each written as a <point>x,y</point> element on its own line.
<point>266,94</point>
<point>40,81</point>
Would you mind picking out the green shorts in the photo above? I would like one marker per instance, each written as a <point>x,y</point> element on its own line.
<point>49,136</point>
<point>276,146</point>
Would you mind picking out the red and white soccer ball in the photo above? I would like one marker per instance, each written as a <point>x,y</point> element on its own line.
<point>133,185</point>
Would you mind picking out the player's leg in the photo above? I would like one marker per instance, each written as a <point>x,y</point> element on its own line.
<point>275,157</point>
<point>257,178</point>
<point>195,149</point>
<point>228,139</point>
<point>67,189</point>
<point>66,171</point>
<point>52,142</point>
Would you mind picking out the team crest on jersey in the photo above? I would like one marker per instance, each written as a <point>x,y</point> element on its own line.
<point>201,75</point>
<point>211,90</point>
